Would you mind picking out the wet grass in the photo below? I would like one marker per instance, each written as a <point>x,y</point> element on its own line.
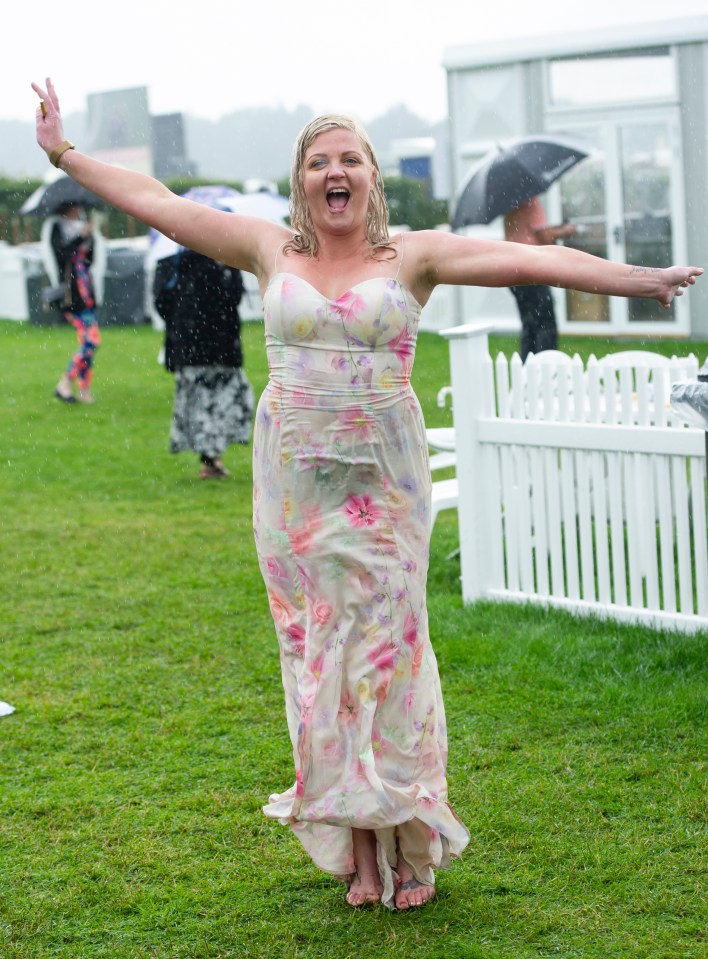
<point>138,650</point>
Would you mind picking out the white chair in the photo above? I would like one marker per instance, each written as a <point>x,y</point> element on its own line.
<point>547,358</point>
<point>441,440</point>
<point>445,496</point>
<point>634,358</point>
<point>546,407</point>
<point>612,364</point>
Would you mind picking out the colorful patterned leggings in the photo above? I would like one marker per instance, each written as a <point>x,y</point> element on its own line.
<point>80,366</point>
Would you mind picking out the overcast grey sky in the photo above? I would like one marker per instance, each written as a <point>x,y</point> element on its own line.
<point>356,56</point>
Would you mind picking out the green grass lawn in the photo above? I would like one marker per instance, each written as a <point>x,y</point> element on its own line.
<point>137,646</point>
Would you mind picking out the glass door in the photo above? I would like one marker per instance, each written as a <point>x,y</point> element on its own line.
<point>584,202</point>
<point>647,231</point>
<point>625,201</point>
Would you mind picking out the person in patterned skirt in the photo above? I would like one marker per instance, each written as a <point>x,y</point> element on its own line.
<point>198,299</point>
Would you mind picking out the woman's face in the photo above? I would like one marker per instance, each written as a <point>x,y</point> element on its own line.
<point>337,178</point>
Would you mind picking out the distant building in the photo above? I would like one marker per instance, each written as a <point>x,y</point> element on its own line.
<point>421,158</point>
<point>120,129</point>
<point>168,147</point>
<point>638,97</point>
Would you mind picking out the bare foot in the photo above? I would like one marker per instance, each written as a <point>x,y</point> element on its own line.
<point>411,892</point>
<point>364,889</point>
<point>366,886</point>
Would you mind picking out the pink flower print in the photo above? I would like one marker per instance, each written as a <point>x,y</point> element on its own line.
<point>322,611</point>
<point>332,749</point>
<point>348,708</point>
<point>317,665</point>
<point>275,568</point>
<point>361,511</point>
<point>417,660</point>
<point>301,537</point>
<point>350,303</point>
<point>282,612</point>
<point>303,399</point>
<point>359,422</point>
<point>299,784</point>
<point>384,657</point>
<point>402,346</point>
<point>296,635</point>
<point>410,629</point>
<point>301,540</point>
<point>379,745</point>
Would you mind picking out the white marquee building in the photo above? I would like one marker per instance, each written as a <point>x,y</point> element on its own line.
<point>638,96</point>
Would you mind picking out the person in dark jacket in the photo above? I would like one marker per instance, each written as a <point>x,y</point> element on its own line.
<point>213,407</point>
<point>72,243</point>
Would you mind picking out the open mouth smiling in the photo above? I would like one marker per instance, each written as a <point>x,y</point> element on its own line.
<point>337,199</point>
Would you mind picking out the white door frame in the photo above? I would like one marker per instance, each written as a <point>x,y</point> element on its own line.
<point>611,119</point>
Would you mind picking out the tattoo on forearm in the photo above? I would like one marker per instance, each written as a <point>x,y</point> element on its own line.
<point>644,269</point>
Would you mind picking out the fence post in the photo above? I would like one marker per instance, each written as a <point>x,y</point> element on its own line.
<point>469,351</point>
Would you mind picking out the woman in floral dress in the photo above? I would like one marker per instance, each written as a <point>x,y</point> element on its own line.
<point>342,484</point>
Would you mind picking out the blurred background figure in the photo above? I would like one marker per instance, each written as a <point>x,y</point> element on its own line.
<point>527,224</point>
<point>213,406</point>
<point>508,182</point>
<point>72,243</point>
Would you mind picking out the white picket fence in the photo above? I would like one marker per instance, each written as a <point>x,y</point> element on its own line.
<point>578,487</point>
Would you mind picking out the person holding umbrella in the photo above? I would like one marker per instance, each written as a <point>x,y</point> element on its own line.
<point>508,182</point>
<point>527,224</point>
<point>342,486</point>
<point>73,246</point>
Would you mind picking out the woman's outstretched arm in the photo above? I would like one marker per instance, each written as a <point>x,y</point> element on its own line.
<point>445,258</point>
<point>239,241</point>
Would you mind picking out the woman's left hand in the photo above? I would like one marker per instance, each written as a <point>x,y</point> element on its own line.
<point>50,130</point>
<point>673,281</point>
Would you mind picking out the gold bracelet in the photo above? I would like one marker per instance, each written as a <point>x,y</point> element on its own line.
<point>59,152</point>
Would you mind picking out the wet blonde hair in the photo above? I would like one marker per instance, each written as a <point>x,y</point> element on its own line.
<point>305,240</point>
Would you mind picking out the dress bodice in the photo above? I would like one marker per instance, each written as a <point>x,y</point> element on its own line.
<point>361,343</point>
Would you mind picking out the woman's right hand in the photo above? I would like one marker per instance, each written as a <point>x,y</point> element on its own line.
<point>50,130</point>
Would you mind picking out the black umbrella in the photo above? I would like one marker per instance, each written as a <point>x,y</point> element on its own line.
<point>50,197</point>
<point>509,176</point>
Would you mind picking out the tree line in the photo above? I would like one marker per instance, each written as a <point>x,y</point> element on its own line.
<point>410,203</point>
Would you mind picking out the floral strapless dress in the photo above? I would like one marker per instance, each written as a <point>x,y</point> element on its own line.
<point>342,525</point>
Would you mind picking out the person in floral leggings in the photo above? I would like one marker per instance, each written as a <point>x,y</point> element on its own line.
<point>72,243</point>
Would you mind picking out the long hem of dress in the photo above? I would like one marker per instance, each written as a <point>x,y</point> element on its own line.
<point>427,840</point>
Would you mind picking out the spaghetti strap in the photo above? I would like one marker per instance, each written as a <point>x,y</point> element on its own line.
<point>400,262</point>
